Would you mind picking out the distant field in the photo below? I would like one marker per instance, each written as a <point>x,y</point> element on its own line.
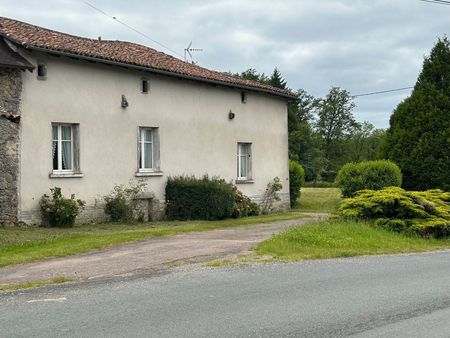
<point>319,199</point>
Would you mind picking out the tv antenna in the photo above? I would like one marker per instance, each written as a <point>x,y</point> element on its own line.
<point>189,49</point>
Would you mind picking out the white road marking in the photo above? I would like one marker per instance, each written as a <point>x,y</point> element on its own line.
<point>59,300</point>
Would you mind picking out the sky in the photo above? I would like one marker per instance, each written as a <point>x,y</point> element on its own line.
<point>359,45</point>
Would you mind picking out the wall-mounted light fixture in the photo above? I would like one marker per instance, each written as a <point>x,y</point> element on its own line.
<point>124,101</point>
<point>231,115</point>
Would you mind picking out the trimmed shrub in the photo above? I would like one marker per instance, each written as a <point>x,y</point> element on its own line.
<point>425,213</point>
<point>199,198</point>
<point>374,175</point>
<point>121,205</point>
<point>58,211</point>
<point>296,179</point>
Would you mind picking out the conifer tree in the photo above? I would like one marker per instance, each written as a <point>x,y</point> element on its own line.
<point>418,138</point>
<point>277,80</point>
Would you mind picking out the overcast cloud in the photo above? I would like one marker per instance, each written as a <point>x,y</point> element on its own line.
<point>362,46</point>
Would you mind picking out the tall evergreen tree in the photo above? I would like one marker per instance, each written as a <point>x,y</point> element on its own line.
<point>277,80</point>
<point>418,138</point>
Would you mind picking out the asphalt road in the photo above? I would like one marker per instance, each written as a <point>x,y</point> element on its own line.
<point>384,296</point>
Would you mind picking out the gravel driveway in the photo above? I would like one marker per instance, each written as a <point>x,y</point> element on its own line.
<point>149,255</point>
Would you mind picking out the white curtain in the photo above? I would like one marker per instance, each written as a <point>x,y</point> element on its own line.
<point>147,148</point>
<point>243,154</point>
<point>55,147</point>
<point>66,142</point>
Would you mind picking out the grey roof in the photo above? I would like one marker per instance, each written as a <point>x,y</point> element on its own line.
<point>126,54</point>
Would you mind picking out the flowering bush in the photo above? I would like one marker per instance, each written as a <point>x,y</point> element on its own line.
<point>243,205</point>
<point>122,203</point>
<point>58,211</point>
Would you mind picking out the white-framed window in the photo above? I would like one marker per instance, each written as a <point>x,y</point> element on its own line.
<point>244,161</point>
<point>63,148</point>
<point>148,149</point>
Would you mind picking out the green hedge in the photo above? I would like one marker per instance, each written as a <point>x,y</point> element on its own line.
<point>425,213</point>
<point>199,198</point>
<point>374,175</point>
<point>296,179</point>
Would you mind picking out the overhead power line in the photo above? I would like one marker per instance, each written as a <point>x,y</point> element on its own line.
<point>130,27</point>
<point>382,91</point>
<point>438,2</point>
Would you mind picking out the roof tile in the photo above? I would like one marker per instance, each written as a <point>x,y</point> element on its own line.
<point>30,36</point>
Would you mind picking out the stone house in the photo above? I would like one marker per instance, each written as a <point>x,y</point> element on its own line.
<point>86,114</point>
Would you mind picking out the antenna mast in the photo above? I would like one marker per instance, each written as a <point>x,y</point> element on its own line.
<point>189,49</point>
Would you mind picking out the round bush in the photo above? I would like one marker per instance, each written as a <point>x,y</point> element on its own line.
<point>296,179</point>
<point>58,211</point>
<point>373,175</point>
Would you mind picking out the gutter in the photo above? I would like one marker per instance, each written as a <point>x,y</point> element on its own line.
<point>160,72</point>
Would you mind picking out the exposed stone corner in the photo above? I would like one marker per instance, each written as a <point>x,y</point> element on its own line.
<point>10,93</point>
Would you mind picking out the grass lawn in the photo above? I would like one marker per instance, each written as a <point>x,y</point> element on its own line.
<point>336,238</point>
<point>319,199</point>
<point>22,245</point>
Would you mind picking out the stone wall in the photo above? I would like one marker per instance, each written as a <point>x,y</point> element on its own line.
<point>152,210</point>
<point>278,206</point>
<point>10,91</point>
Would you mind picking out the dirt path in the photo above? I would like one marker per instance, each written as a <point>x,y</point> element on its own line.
<point>149,255</point>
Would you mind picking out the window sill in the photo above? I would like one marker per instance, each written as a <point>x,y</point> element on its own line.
<point>66,175</point>
<point>149,173</point>
<point>245,181</point>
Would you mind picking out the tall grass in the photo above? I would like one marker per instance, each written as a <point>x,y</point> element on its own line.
<point>336,238</point>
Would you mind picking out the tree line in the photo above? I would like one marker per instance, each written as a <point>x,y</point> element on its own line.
<point>323,132</point>
<point>324,135</point>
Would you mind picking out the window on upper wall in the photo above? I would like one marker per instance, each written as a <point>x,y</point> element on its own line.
<point>65,154</point>
<point>243,97</point>
<point>148,149</point>
<point>144,86</point>
<point>244,161</point>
